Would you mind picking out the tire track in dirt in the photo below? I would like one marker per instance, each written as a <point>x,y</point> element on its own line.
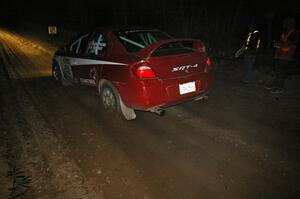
<point>43,153</point>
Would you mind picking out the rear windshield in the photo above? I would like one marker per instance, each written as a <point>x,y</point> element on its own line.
<point>135,40</point>
<point>173,48</point>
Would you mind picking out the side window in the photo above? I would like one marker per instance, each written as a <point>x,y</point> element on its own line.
<point>79,45</point>
<point>74,46</point>
<point>97,45</point>
<point>83,44</point>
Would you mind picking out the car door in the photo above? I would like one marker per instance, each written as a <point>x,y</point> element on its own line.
<point>86,66</point>
<point>74,50</point>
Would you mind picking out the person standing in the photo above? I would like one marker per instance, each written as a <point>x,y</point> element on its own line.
<point>251,47</point>
<point>284,54</point>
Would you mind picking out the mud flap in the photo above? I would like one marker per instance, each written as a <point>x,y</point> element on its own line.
<point>128,113</point>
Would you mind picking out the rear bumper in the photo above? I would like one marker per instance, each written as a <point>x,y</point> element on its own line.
<point>155,94</point>
<point>164,106</point>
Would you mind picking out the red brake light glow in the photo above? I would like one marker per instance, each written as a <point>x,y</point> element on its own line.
<point>143,70</point>
<point>208,65</point>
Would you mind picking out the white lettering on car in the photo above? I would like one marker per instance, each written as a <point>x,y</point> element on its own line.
<point>185,67</point>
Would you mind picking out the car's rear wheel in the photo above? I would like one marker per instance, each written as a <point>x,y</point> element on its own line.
<point>109,99</point>
<point>113,103</point>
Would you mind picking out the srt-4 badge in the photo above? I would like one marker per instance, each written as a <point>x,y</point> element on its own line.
<point>186,67</point>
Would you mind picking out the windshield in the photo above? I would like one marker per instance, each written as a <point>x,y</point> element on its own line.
<point>135,40</point>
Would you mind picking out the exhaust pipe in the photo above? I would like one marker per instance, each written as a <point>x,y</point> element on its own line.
<point>201,98</point>
<point>158,111</point>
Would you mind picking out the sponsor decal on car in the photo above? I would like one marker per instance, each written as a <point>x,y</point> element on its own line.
<point>82,61</point>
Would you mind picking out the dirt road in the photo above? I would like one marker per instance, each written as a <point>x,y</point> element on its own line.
<point>242,142</point>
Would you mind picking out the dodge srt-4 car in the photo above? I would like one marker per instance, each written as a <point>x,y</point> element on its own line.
<point>135,68</point>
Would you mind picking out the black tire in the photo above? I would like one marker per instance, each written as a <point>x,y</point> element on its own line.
<point>56,73</point>
<point>112,102</point>
<point>110,99</point>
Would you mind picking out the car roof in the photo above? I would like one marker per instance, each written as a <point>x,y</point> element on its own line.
<point>124,28</point>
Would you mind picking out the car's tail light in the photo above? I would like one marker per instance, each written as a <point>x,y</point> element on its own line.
<point>143,70</point>
<point>208,65</point>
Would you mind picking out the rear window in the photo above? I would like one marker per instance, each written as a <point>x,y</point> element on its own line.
<point>173,48</point>
<point>135,40</point>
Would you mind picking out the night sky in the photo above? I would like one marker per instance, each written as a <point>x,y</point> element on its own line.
<point>192,18</point>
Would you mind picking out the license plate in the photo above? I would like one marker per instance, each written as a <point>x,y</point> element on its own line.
<point>187,88</point>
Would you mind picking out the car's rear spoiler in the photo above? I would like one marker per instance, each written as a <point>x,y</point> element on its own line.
<point>197,45</point>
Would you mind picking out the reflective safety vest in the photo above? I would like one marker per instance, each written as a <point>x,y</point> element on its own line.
<point>250,38</point>
<point>287,51</point>
<point>252,42</point>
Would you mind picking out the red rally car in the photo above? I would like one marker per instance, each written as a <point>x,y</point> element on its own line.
<point>135,68</point>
